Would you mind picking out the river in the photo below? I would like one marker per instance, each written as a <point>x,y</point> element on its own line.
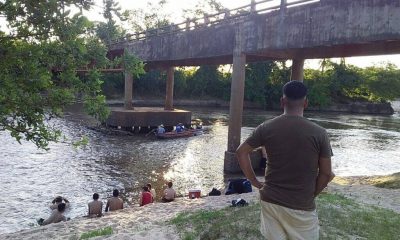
<point>30,178</point>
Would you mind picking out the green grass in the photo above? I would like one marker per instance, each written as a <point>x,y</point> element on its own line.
<point>96,233</point>
<point>228,223</point>
<point>340,218</point>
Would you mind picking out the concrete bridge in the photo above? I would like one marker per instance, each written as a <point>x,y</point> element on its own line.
<point>266,30</point>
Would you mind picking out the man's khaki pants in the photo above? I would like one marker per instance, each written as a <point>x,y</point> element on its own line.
<point>279,222</point>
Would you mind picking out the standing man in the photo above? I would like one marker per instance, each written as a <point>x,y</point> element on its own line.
<point>298,168</point>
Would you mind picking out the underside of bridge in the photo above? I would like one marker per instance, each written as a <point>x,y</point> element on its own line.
<point>322,29</point>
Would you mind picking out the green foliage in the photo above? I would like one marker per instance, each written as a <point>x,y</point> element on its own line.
<point>39,56</point>
<point>133,65</point>
<point>257,76</point>
<point>318,88</point>
<point>97,233</point>
<point>149,18</point>
<point>206,81</point>
<point>109,31</point>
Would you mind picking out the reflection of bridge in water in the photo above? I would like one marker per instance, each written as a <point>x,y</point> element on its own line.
<point>265,30</point>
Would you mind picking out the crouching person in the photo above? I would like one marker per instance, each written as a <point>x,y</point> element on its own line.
<point>57,215</point>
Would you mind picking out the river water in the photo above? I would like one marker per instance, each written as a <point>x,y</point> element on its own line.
<point>30,178</point>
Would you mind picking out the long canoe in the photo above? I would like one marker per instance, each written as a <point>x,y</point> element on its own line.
<point>185,133</point>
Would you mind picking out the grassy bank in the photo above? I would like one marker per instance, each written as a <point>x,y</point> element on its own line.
<point>340,218</point>
<point>387,181</point>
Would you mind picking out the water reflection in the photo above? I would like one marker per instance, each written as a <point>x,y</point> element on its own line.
<point>30,178</point>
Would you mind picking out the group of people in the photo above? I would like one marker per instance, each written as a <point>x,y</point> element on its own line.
<point>95,207</point>
<point>298,169</point>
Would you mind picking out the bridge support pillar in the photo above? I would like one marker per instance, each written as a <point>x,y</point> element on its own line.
<point>297,70</point>
<point>235,112</point>
<point>169,96</point>
<point>128,90</point>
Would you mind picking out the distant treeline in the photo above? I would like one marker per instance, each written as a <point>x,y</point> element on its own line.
<point>332,83</point>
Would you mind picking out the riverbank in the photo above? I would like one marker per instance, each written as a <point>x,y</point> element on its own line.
<point>161,220</point>
<point>356,107</point>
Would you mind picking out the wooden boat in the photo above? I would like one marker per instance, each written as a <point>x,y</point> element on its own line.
<point>185,133</point>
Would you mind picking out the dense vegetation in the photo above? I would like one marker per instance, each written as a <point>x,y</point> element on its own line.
<point>333,83</point>
<point>42,46</point>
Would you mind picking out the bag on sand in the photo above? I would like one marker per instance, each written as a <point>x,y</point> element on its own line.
<point>214,192</point>
<point>240,185</point>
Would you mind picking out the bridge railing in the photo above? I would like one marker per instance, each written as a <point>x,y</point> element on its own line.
<point>228,15</point>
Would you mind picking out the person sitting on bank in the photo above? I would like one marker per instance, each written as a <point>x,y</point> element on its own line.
<point>114,203</point>
<point>160,129</point>
<point>95,207</point>
<point>169,193</point>
<point>57,200</point>
<point>57,215</point>
<point>152,191</point>
<point>145,196</point>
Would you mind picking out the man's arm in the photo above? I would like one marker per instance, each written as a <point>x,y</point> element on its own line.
<point>325,174</point>
<point>242,154</point>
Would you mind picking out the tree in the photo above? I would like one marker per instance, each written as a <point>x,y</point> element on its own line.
<point>203,7</point>
<point>39,55</point>
<point>257,75</point>
<point>150,18</point>
<point>109,30</point>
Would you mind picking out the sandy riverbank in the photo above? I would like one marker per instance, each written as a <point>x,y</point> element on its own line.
<point>149,222</point>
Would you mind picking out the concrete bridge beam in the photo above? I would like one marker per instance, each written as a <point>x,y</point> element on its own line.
<point>169,96</point>
<point>128,90</point>
<point>297,70</point>
<point>235,112</point>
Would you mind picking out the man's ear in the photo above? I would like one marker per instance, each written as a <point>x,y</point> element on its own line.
<point>305,103</point>
<point>283,101</point>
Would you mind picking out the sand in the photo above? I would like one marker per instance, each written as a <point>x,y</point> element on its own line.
<point>149,222</point>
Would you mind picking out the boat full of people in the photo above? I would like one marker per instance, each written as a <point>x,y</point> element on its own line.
<point>179,132</point>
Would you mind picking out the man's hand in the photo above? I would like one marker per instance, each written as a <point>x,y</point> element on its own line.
<point>257,184</point>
